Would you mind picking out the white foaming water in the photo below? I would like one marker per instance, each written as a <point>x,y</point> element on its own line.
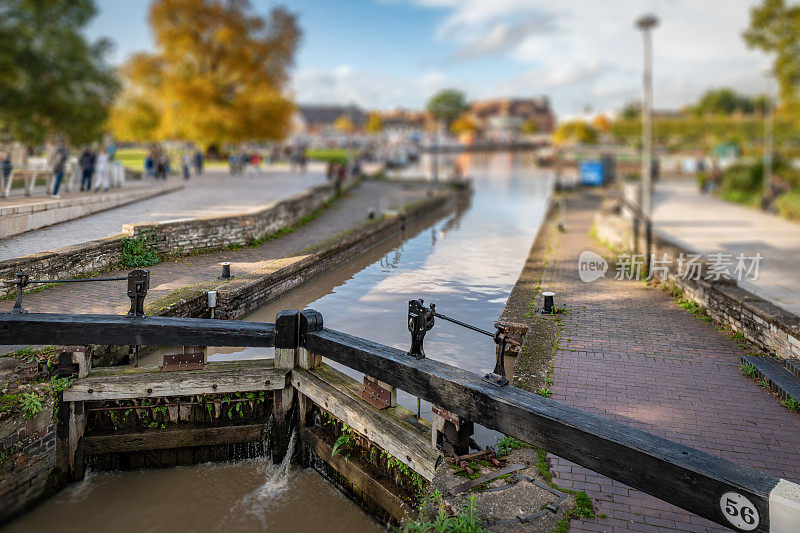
<point>258,502</point>
<point>81,490</point>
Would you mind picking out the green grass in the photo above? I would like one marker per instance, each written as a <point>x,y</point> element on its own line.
<point>466,521</point>
<point>132,158</point>
<point>18,184</point>
<point>337,155</point>
<point>788,205</point>
<point>740,197</point>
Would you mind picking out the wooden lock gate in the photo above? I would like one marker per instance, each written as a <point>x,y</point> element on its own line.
<point>735,496</point>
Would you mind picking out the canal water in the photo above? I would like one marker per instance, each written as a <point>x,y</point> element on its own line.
<point>465,263</point>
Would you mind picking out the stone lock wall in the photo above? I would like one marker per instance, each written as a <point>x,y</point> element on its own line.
<point>179,237</point>
<point>202,233</point>
<point>67,262</point>
<point>28,475</point>
<point>766,325</point>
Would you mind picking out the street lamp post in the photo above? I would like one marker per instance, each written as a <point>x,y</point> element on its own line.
<point>350,134</point>
<point>435,173</point>
<point>769,118</point>
<point>646,23</point>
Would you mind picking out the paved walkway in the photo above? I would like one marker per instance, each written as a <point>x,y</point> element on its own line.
<point>707,225</point>
<point>109,297</point>
<point>629,353</point>
<point>41,195</point>
<point>215,192</point>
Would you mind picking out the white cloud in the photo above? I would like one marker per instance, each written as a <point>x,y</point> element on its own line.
<point>588,52</point>
<point>370,89</point>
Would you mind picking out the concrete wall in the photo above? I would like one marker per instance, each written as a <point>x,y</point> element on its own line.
<point>33,215</point>
<point>766,325</point>
<point>28,476</point>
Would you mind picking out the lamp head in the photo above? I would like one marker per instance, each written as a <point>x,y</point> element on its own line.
<point>646,22</point>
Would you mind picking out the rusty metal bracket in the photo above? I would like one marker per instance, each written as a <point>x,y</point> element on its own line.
<point>182,361</point>
<point>375,395</point>
<point>491,476</point>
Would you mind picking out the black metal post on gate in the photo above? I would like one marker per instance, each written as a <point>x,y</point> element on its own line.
<point>138,283</point>
<point>421,320</point>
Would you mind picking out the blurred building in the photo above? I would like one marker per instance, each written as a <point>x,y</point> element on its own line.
<point>405,123</point>
<point>503,118</point>
<point>320,119</point>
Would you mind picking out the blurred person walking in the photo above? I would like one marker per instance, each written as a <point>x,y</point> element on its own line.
<point>162,165</point>
<point>102,168</point>
<point>86,162</point>
<point>59,163</point>
<point>6,168</point>
<point>198,162</point>
<point>149,165</point>
<point>302,159</point>
<point>186,163</point>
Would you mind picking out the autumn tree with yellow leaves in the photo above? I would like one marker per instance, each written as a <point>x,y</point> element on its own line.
<point>218,75</point>
<point>374,123</point>
<point>343,124</point>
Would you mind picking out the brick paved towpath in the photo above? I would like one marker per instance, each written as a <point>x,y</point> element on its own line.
<point>629,353</point>
<point>109,297</point>
<point>216,192</point>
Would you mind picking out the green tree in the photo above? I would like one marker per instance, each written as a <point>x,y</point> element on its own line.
<point>52,79</point>
<point>447,105</point>
<point>723,101</point>
<point>630,111</point>
<point>775,29</point>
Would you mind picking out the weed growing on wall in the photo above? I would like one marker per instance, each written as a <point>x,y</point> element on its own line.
<point>137,252</point>
<point>466,521</point>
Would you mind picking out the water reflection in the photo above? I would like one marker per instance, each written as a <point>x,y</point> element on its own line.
<point>467,264</point>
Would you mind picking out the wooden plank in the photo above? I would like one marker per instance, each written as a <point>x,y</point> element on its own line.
<point>214,379</point>
<point>58,328</point>
<point>390,428</point>
<point>368,489</point>
<point>678,474</point>
<point>164,439</point>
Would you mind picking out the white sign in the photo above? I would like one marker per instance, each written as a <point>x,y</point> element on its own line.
<point>739,511</point>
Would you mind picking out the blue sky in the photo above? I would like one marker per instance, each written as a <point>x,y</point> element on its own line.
<point>388,53</point>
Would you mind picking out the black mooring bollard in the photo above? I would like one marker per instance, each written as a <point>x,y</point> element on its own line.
<point>549,306</point>
<point>226,271</point>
